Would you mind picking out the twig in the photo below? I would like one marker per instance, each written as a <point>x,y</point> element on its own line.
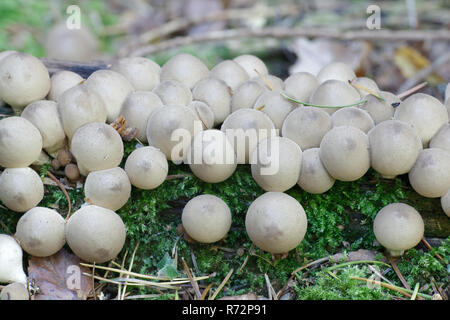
<point>425,242</point>
<point>205,292</point>
<point>416,290</point>
<point>119,289</point>
<point>222,284</point>
<point>412,90</point>
<point>271,291</point>
<point>284,32</point>
<point>178,176</point>
<point>63,189</point>
<point>191,279</point>
<point>318,261</point>
<point>398,273</point>
<point>129,270</point>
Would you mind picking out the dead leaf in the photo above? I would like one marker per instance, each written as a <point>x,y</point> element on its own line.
<point>361,254</point>
<point>59,277</point>
<point>248,296</point>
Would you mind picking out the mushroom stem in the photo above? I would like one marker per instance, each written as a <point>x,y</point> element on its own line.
<point>396,253</point>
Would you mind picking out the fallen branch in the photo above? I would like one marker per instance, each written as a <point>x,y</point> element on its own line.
<point>222,284</point>
<point>63,189</point>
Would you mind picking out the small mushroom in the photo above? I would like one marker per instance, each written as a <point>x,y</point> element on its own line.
<point>203,113</point>
<point>15,291</point>
<point>21,189</point>
<point>250,63</point>
<point>353,117</point>
<point>245,95</point>
<point>362,83</point>
<point>173,92</point>
<point>269,82</point>
<point>142,73</point>
<point>184,68</point>
<point>314,177</point>
<point>108,188</point>
<point>380,110</point>
<point>231,73</point>
<point>334,93</point>
<point>442,138</point>
<point>11,268</point>
<point>336,71</point>
<point>275,106</point>
<point>398,227</point>
<point>300,85</point>
<point>206,218</point>
<point>62,81</point>
<point>276,222</point>
<point>445,202</point>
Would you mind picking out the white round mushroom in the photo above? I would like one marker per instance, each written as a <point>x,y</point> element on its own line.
<point>445,203</point>
<point>365,85</point>
<point>270,82</point>
<point>11,269</point>
<point>442,138</point>
<point>380,110</point>
<point>173,92</point>
<point>252,65</point>
<point>334,93</point>
<point>275,106</point>
<point>314,177</point>
<point>184,68</point>
<point>354,117</point>
<point>142,73</point>
<point>203,113</point>
<point>336,71</point>
<point>62,81</point>
<point>300,85</point>
<point>231,73</point>
<point>245,95</point>
<point>15,291</point>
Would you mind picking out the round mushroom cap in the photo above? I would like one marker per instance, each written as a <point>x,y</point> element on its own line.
<point>41,232</point>
<point>445,202</point>
<point>71,44</point>
<point>334,93</point>
<point>108,188</point>
<point>245,95</point>
<point>177,122</point>
<point>61,82</point>
<point>20,142</point>
<point>430,175</point>
<point>15,291</point>
<point>336,71</point>
<point>344,152</point>
<point>184,68</point>
<point>275,106</point>
<point>136,110</point>
<point>270,82</point>
<point>398,227</point>
<point>442,138</point>
<point>95,234</point>
<point>11,269</point>
<point>394,147</point>
<point>216,94</point>
<point>314,177</point>
<point>142,73</point>
<point>250,63</point>
<point>21,189</point>
<point>147,168</point>
<point>112,87</point>
<point>306,126</point>
<point>206,218</point>
<point>43,114</point>
<point>380,110</point>
<point>4,54</point>
<point>211,156</point>
<point>231,73</point>
<point>353,117</point>
<point>23,79</point>
<point>276,222</point>
<point>96,146</point>
<point>426,113</point>
<point>362,83</point>
<point>172,92</point>
<point>203,113</point>
<point>245,128</point>
<point>300,85</point>
<point>447,104</point>
<point>276,163</point>
<point>78,106</point>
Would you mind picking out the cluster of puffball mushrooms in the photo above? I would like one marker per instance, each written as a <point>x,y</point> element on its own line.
<point>330,126</point>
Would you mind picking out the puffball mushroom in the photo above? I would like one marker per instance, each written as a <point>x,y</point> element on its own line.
<point>172,92</point>
<point>21,189</point>
<point>184,68</point>
<point>245,95</point>
<point>40,232</point>
<point>142,73</point>
<point>206,218</point>
<point>11,269</point>
<point>314,177</point>
<point>426,113</point>
<point>43,114</point>
<point>78,106</point>
<point>4,54</point>
<point>442,138</point>
<point>23,79</point>
<point>62,81</point>
<point>354,117</point>
<point>95,234</point>
<point>211,156</point>
<point>112,87</point>
<point>270,82</point>
<point>276,222</point>
<point>136,109</point>
<point>14,291</point>
<point>336,71</point>
<point>203,113</point>
<point>167,126</point>
<point>300,85</point>
<point>306,126</point>
<point>398,227</point>
<point>231,73</point>
<point>96,146</point>
<point>394,148</point>
<point>344,152</point>
<point>147,168</point>
<point>430,175</point>
<point>250,63</point>
<point>445,203</point>
<point>380,110</point>
<point>276,163</point>
<point>275,106</point>
<point>216,94</point>
<point>108,188</point>
<point>334,93</point>
<point>365,83</point>
<point>245,128</point>
<point>20,142</point>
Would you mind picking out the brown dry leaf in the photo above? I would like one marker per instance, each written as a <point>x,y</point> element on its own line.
<point>361,254</point>
<point>59,277</point>
<point>248,296</point>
